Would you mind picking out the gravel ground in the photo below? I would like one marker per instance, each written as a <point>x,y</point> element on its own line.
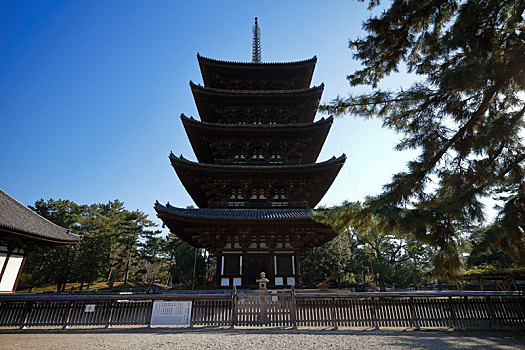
<point>222,338</point>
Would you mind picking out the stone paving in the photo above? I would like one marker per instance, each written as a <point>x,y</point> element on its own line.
<point>223,338</point>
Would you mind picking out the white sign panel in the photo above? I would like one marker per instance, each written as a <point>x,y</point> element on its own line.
<point>90,308</point>
<point>167,313</point>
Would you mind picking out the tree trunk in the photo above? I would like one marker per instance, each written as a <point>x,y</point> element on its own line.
<point>36,276</point>
<point>128,263</point>
<point>194,267</point>
<point>170,277</point>
<point>382,287</point>
<point>109,274</point>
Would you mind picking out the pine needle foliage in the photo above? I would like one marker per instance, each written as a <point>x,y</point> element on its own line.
<point>465,116</point>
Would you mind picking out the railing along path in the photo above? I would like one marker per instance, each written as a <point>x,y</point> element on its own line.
<point>285,308</point>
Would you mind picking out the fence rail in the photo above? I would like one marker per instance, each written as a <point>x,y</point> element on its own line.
<point>286,309</point>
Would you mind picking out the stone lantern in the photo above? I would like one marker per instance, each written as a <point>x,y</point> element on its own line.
<point>262,281</point>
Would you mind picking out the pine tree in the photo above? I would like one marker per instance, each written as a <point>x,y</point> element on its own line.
<point>465,114</point>
<point>365,247</point>
<point>108,250</point>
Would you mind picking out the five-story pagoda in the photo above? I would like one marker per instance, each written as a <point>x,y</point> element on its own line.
<point>256,179</point>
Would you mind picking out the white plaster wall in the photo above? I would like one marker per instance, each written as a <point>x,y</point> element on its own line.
<point>9,278</point>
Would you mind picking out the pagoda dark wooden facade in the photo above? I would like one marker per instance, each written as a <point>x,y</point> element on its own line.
<point>256,179</point>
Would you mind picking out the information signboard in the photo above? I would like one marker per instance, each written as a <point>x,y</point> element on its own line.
<point>166,313</point>
<point>90,308</point>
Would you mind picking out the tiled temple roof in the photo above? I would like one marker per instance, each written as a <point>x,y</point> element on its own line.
<point>314,90</point>
<point>235,214</point>
<point>316,178</point>
<point>244,106</point>
<point>243,75</point>
<point>217,143</point>
<point>17,218</point>
<point>272,168</point>
<point>289,64</point>
<point>255,127</point>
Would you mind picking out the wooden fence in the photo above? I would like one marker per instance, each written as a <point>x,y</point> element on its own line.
<point>496,310</point>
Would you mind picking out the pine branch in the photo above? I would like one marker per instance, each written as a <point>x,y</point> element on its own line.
<point>471,122</point>
<point>511,166</point>
<point>338,106</point>
<point>468,194</point>
<point>393,255</point>
<point>421,173</point>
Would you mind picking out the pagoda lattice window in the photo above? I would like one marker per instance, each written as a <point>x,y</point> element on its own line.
<point>257,153</point>
<point>258,193</point>
<point>238,153</point>
<point>279,197</point>
<point>236,193</point>
<point>237,198</point>
<point>276,154</point>
<point>280,193</point>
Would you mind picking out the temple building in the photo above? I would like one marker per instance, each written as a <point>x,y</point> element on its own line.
<point>256,179</point>
<point>21,231</point>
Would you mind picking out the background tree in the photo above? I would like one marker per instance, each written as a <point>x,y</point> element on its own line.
<point>464,114</point>
<point>188,266</point>
<point>152,263</point>
<point>115,243</point>
<point>336,263</point>
<point>367,251</point>
<point>55,265</point>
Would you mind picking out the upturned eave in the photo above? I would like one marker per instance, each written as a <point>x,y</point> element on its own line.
<point>202,134</point>
<point>216,105</point>
<point>194,176</point>
<point>221,74</point>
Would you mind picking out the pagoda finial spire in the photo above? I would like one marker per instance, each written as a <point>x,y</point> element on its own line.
<point>256,44</point>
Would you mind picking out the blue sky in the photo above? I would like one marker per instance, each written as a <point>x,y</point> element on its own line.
<point>91,92</point>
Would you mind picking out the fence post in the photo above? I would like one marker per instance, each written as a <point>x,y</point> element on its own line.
<point>29,308</point>
<point>452,313</point>
<point>492,314</point>
<point>413,322</point>
<point>263,319</point>
<point>333,314</point>
<point>110,317</point>
<point>191,318</point>
<point>68,317</point>
<point>293,309</point>
<point>152,309</point>
<point>374,314</point>
<point>234,308</point>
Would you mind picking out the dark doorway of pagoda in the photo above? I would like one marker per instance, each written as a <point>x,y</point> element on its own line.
<point>255,264</point>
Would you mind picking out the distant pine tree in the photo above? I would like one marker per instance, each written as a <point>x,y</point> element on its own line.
<point>465,115</point>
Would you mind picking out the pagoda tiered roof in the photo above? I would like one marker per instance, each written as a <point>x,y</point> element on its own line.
<point>256,76</point>
<point>256,143</point>
<point>212,228</point>
<point>256,180</point>
<point>256,106</point>
<point>249,216</point>
<point>218,185</point>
